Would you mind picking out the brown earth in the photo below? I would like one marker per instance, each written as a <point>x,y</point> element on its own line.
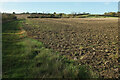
<point>91,41</point>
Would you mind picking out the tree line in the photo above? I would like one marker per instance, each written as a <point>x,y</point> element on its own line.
<point>72,15</point>
<point>6,16</point>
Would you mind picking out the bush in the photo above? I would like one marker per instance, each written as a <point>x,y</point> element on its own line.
<point>8,17</point>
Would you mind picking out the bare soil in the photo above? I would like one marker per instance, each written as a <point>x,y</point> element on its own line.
<point>90,41</point>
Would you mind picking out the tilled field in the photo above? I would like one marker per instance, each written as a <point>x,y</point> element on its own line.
<point>89,41</point>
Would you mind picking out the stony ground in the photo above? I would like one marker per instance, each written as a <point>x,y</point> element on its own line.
<point>89,41</point>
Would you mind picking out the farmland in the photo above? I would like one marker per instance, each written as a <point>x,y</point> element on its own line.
<point>60,48</point>
<point>59,40</point>
<point>26,57</point>
<point>91,41</point>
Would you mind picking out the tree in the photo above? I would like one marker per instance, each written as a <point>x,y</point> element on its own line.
<point>13,12</point>
<point>27,12</point>
<point>54,13</point>
<point>60,15</point>
<point>113,14</point>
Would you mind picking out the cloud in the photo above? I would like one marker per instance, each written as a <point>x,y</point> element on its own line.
<point>107,3</point>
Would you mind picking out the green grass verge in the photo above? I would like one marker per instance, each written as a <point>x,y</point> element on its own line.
<point>28,58</point>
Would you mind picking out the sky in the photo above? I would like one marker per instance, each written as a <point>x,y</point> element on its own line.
<point>59,7</point>
<point>59,0</point>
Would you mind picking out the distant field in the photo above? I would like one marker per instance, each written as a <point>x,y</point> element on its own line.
<point>91,41</point>
<point>21,16</point>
